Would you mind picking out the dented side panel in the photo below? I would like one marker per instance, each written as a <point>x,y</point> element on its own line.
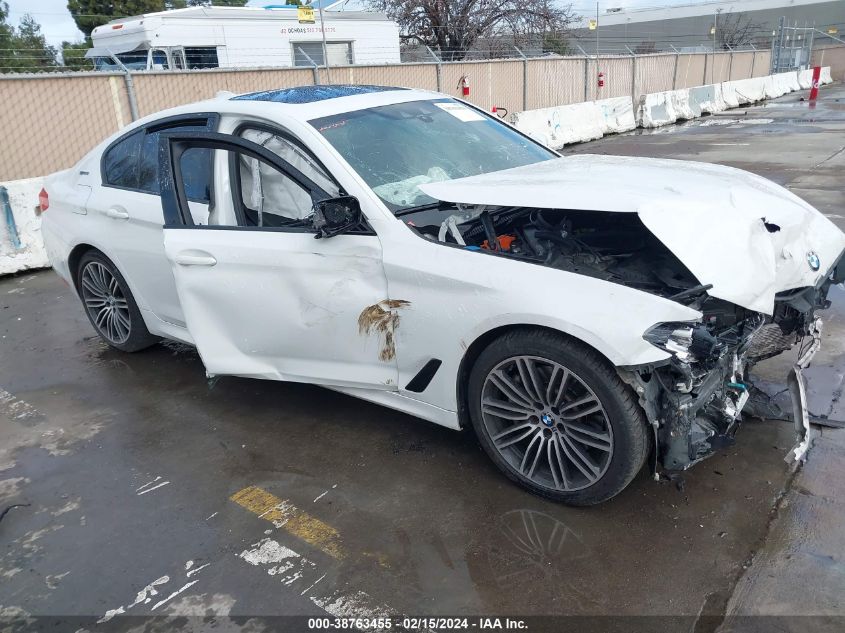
<point>283,306</point>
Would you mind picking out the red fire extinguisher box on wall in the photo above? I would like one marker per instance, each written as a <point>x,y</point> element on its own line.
<point>463,84</point>
<point>601,80</point>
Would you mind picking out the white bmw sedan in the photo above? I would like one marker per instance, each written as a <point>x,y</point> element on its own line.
<point>581,314</point>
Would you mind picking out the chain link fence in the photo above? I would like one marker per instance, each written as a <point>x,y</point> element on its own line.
<point>48,121</point>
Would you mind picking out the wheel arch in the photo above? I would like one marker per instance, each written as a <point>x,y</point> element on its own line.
<point>481,342</point>
<point>75,256</point>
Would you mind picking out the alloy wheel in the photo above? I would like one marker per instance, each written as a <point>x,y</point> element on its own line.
<point>546,423</point>
<point>105,302</point>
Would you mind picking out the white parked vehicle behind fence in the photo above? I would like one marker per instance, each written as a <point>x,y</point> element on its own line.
<point>248,37</point>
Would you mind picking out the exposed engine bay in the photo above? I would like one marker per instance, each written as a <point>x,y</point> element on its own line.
<point>694,399</point>
<point>609,246</point>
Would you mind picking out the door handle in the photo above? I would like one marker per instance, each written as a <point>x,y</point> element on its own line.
<point>117,213</point>
<point>195,259</point>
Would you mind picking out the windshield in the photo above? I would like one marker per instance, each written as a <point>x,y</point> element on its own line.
<point>395,148</point>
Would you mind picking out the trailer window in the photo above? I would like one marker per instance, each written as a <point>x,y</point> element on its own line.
<point>136,60</point>
<point>202,57</point>
<point>160,60</point>
<point>311,53</point>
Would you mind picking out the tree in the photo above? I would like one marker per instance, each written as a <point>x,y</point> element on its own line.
<point>555,43</point>
<point>7,33</point>
<point>736,30</point>
<point>454,26</point>
<point>23,49</point>
<point>33,45</point>
<point>73,55</point>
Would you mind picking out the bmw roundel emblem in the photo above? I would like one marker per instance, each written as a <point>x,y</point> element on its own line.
<point>813,260</point>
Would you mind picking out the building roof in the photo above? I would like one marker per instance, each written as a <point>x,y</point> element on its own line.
<point>621,16</point>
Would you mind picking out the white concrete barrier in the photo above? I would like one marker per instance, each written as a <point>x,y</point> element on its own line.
<point>23,197</point>
<point>825,78</point>
<point>729,95</point>
<point>577,122</point>
<point>772,87</point>
<point>618,115</point>
<point>656,109</point>
<point>707,99</point>
<point>684,110</point>
<point>749,90</point>
<point>663,108</point>
<point>790,81</point>
<point>805,79</point>
<point>591,120</point>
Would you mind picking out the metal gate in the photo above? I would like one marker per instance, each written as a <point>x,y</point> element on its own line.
<point>792,47</point>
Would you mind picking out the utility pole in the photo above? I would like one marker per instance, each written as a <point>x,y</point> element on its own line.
<point>715,28</point>
<point>597,36</point>
<point>325,48</point>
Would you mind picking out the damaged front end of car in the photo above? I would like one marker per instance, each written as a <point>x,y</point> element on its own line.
<point>694,401</point>
<point>750,259</point>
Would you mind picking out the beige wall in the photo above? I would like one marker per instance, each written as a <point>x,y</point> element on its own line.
<point>833,57</point>
<point>49,121</point>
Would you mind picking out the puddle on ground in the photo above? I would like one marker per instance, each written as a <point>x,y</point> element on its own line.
<point>725,121</point>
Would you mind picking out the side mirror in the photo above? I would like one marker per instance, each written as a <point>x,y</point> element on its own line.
<point>336,215</point>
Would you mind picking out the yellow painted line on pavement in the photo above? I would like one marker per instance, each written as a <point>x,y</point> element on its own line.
<point>283,514</point>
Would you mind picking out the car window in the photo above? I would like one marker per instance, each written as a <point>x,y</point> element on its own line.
<point>263,196</point>
<point>196,166</point>
<point>132,162</point>
<point>294,154</point>
<point>120,164</point>
<point>395,148</point>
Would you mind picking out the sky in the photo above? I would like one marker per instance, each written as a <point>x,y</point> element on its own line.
<point>58,26</point>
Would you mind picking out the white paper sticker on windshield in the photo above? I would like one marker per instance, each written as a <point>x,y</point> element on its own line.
<point>460,111</point>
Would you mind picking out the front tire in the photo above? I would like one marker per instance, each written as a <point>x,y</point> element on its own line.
<point>555,417</point>
<point>109,304</point>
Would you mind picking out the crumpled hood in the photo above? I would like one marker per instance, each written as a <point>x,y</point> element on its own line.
<point>709,216</point>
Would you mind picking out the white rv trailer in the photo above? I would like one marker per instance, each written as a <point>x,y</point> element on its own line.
<point>244,37</point>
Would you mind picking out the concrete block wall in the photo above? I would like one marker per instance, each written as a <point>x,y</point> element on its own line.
<point>564,125</point>
<point>23,196</point>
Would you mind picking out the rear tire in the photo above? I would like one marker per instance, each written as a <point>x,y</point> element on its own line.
<point>109,304</point>
<point>555,417</point>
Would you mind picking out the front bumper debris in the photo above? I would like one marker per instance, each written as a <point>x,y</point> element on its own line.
<point>797,389</point>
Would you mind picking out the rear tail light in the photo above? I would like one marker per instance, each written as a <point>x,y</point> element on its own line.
<point>43,200</point>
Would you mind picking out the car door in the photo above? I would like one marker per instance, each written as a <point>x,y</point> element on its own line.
<point>261,296</point>
<point>127,210</point>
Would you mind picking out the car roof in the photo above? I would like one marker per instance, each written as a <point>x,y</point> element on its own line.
<point>310,94</point>
<point>334,100</point>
